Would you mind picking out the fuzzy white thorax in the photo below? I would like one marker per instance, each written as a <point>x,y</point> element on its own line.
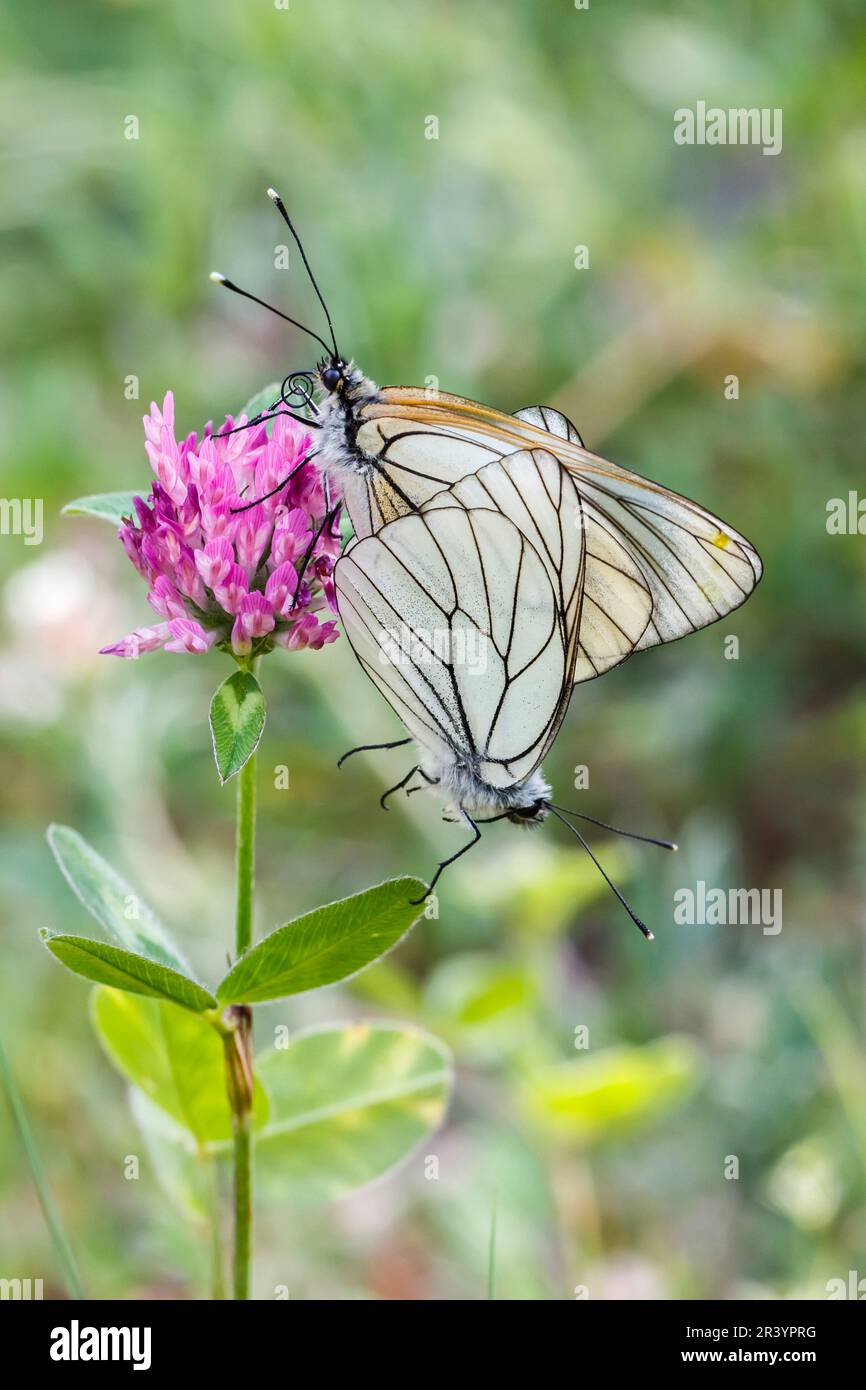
<point>338,418</point>
<point>470,793</point>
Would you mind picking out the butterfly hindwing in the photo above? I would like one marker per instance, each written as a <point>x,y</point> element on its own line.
<point>452,613</point>
<point>602,595</point>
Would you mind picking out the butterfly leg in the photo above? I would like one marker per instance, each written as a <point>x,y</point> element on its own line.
<point>373,748</point>
<point>444,863</point>
<point>327,520</point>
<point>397,787</point>
<point>274,490</point>
<point>430,781</point>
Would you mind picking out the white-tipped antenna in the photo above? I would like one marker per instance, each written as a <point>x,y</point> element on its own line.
<point>281,209</point>
<point>615,829</point>
<point>609,881</point>
<point>219,279</point>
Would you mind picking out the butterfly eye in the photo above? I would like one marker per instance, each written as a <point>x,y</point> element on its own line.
<point>331,378</point>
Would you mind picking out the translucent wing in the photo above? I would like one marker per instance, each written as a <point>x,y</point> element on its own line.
<point>695,567</point>
<point>426,441</point>
<point>544,417</point>
<point>452,613</point>
<point>600,591</point>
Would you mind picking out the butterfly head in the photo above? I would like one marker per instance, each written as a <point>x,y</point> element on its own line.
<point>533,813</point>
<point>343,384</point>
<point>343,387</point>
<point>333,375</point>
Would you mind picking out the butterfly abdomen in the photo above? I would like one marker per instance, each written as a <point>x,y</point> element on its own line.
<point>523,802</point>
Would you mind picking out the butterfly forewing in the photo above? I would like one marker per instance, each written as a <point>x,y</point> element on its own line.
<point>544,417</point>
<point>657,565</point>
<point>423,442</point>
<point>697,568</point>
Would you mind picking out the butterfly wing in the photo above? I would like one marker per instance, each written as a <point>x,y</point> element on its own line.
<point>601,592</point>
<point>544,417</point>
<point>695,567</point>
<point>452,613</point>
<point>423,442</point>
<point>698,568</point>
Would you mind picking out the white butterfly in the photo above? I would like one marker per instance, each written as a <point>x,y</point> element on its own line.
<point>502,536</point>
<point>474,614</point>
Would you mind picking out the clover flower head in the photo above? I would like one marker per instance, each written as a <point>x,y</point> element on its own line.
<point>243,580</point>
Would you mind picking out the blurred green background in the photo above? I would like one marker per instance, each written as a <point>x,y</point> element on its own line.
<point>455,258</point>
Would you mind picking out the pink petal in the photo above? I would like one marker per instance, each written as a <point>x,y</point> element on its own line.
<point>256,615</point>
<point>231,592</point>
<point>292,536</point>
<point>215,561</point>
<point>307,632</point>
<point>188,578</point>
<point>144,639</point>
<point>203,465</point>
<point>281,588</point>
<point>251,537</point>
<point>217,520</point>
<point>254,619</point>
<point>189,636</point>
<point>165,600</point>
<point>159,419</point>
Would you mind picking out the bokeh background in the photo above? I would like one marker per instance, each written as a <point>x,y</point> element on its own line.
<point>455,258</point>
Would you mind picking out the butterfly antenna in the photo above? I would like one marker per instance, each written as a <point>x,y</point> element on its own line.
<point>299,393</point>
<point>632,914</point>
<point>279,487</point>
<point>615,830</point>
<point>265,418</point>
<point>219,279</point>
<point>281,209</point>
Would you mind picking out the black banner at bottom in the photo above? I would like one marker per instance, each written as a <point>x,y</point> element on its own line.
<point>64,1339</point>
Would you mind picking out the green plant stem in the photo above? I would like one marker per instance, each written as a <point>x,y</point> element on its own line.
<point>243,1192</point>
<point>238,1043</point>
<point>245,855</point>
<point>62,1248</point>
